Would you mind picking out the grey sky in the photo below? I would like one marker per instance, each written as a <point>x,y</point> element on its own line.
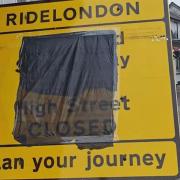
<point>175,1</point>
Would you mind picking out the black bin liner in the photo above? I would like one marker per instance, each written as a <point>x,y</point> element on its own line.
<point>66,89</point>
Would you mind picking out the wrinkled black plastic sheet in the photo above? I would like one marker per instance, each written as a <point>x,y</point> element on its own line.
<point>66,89</point>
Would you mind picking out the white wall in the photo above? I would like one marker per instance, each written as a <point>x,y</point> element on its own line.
<point>174,28</point>
<point>179,31</point>
<point>7,1</point>
<point>14,1</point>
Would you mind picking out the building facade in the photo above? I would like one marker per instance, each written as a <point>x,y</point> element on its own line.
<point>14,1</point>
<point>175,31</point>
<point>175,20</point>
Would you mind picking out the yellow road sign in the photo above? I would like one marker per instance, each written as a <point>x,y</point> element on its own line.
<point>123,160</point>
<point>146,138</point>
<point>69,14</point>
